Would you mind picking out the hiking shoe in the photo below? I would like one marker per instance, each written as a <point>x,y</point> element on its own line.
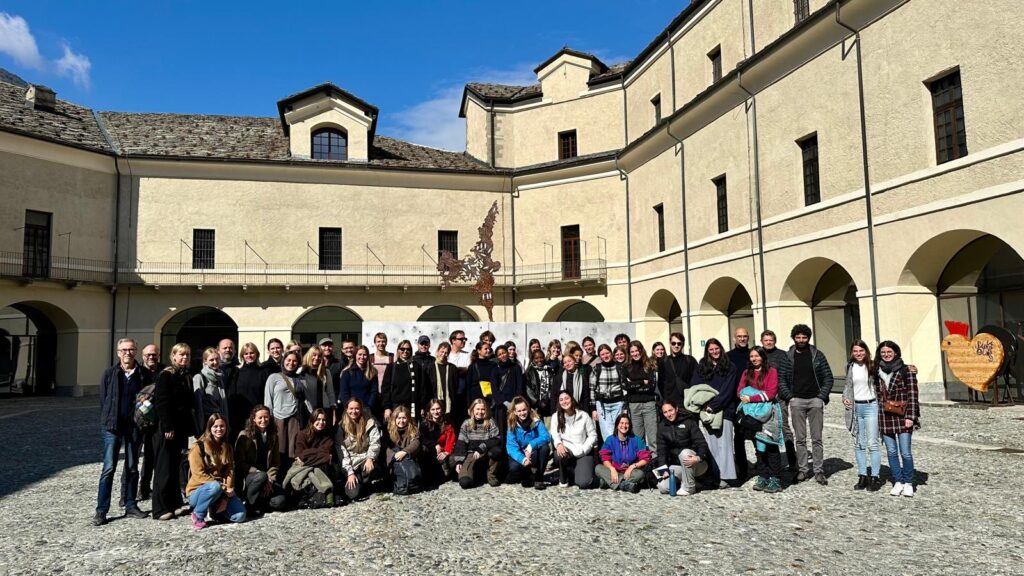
<point>862,482</point>
<point>897,489</point>
<point>134,512</point>
<point>197,522</point>
<point>801,476</point>
<point>875,484</point>
<point>773,486</point>
<point>908,490</point>
<point>99,519</point>
<point>760,483</point>
<point>820,479</point>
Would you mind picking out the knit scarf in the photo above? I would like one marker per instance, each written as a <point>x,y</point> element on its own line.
<point>890,367</point>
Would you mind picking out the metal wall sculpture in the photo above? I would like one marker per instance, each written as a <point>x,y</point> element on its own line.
<point>478,266</point>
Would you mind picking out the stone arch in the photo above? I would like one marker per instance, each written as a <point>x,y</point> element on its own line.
<point>447,313</point>
<point>665,311</point>
<point>329,320</point>
<point>200,327</point>
<point>38,347</point>
<point>828,289</point>
<point>574,310</point>
<point>726,305</point>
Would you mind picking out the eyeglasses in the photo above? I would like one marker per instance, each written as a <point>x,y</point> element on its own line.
<point>676,343</point>
<point>157,355</point>
<point>127,351</point>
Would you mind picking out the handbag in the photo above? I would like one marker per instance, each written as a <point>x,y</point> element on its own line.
<point>894,407</point>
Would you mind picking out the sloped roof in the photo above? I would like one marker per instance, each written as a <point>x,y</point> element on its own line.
<point>68,123</point>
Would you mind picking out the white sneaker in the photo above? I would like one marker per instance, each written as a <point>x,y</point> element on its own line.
<point>908,490</point>
<point>897,489</point>
<point>563,484</point>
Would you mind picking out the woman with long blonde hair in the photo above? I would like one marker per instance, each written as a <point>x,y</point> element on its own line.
<point>527,443</point>
<point>173,405</point>
<point>357,447</point>
<point>403,449</point>
<point>211,484</point>
<point>319,387</point>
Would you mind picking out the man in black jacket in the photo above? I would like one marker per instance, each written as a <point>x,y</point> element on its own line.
<point>118,388</point>
<point>807,393</point>
<point>675,371</point>
<point>334,365</point>
<point>739,356</point>
<point>150,361</point>
<point>423,357</point>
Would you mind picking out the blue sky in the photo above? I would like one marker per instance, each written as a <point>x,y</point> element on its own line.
<point>410,59</point>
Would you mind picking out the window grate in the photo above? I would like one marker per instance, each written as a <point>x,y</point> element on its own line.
<point>203,248</point>
<point>448,241</point>
<point>722,202</point>
<point>801,10</point>
<point>809,153</point>
<point>659,212</point>
<point>330,249</point>
<point>715,56</point>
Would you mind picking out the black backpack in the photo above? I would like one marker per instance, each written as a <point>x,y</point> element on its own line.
<point>408,477</point>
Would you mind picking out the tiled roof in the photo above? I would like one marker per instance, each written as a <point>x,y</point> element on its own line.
<point>612,73</point>
<point>504,92</point>
<point>255,139</point>
<point>12,78</point>
<point>67,124</point>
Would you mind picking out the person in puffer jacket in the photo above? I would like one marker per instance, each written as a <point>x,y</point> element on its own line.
<point>527,443</point>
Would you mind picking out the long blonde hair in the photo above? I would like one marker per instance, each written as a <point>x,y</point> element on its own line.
<point>487,414</point>
<point>307,363</point>
<point>356,429</point>
<point>513,421</point>
<point>411,430</point>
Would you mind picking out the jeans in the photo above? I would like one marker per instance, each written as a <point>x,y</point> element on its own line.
<point>535,471</point>
<point>686,476</point>
<point>607,412</point>
<point>807,415</point>
<point>894,448</point>
<point>867,438</point>
<point>111,447</point>
<point>206,495</point>
<point>645,423</point>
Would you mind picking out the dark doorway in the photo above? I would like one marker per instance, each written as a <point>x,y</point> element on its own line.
<point>200,328</point>
<point>570,252</point>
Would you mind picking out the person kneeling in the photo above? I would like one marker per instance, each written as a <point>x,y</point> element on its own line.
<point>623,458</point>
<point>680,440</point>
<point>403,448</point>
<point>527,445</point>
<point>574,435</point>
<point>309,477</point>
<point>437,437</point>
<point>478,447</point>
<point>357,447</point>
<point>257,461</point>
<point>211,484</point>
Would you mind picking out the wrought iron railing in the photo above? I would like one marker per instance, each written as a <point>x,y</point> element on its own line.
<point>61,268</point>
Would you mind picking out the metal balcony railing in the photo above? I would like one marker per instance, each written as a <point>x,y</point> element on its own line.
<point>60,268</point>
<point>554,272</point>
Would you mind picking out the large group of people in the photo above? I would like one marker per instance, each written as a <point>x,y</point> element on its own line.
<point>306,428</point>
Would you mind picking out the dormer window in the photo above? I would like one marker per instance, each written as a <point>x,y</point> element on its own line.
<point>330,144</point>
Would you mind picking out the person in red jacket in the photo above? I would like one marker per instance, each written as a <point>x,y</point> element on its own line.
<point>437,437</point>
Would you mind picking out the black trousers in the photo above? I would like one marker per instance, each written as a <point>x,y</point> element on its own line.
<point>739,446</point>
<point>769,462</point>
<point>167,473</point>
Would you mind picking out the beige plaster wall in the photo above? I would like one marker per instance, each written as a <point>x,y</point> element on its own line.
<point>478,133</point>
<point>724,25</point>
<point>356,127</point>
<point>656,80</point>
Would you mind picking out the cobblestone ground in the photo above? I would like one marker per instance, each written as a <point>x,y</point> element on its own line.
<point>966,517</point>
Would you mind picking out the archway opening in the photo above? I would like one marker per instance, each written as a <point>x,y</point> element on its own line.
<point>334,322</point>
<point>835,314</point>
<point>665,306</point>
<point>730,299</point>
<point>201,327</point>
<point>446,313</point>
<point>581,312</point>
<point>38,348</point>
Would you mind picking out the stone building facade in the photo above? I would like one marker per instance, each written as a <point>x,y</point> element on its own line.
<point>855,165</point>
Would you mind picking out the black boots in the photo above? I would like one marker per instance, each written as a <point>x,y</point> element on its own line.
<point>862,482</point>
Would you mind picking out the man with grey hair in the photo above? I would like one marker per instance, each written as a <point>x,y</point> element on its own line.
<point>118,387</point>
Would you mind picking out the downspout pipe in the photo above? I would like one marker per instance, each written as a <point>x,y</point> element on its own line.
<point>867,175</point>
<point>494,157</point>
<point>757,204</point>
<point>117,231</point>
<point>686,247</point>
<point>515,285</point>
<point>629,244</point>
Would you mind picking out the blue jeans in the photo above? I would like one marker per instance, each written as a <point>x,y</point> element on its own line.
<point>206,495</point>
<point>111,447</point>
<point>900,473</point>
<point>607,412</point>
<point>867,438</point>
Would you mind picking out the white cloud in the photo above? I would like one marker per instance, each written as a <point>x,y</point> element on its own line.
<point>76,66</point>
<point>435,122</point>
<point>16,41</point>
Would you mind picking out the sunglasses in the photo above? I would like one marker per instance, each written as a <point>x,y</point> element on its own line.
<point>459,339</point>
<point>405,349</point>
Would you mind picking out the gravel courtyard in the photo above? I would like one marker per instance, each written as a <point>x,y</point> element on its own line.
<point>966,517</point>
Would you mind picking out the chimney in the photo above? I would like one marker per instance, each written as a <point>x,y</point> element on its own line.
<point>41,97</point>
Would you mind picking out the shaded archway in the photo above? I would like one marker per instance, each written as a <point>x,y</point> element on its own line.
<point>446,313</point>
<point>332,322</point>
<point>728,297</point>
<point>201,327</point>
<point>38,348</point>
<point>977,279</point>
<point>574,311</point>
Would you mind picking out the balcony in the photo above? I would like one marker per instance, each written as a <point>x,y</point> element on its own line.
<point>29,268</point>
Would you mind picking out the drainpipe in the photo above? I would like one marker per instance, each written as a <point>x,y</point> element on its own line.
<point>757,202</point>
<point>515,287</point>
<point>686,247</point>
<point>867,176</point>
<point>629,244</point>
<point>117,230</point>
<point>494,157</point>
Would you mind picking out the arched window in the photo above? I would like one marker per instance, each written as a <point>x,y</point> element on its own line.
<point>330,144</point>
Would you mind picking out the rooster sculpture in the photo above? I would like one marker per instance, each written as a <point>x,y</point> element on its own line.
<point>974,361</point>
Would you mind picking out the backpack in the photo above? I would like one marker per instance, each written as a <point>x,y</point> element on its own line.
<point>408,477</point>
<point>145,415</point>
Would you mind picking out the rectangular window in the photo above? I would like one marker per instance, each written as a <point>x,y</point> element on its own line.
<point>722,201</point>
<point>715,56</point>
<point>659,212</point>
<point>36,250</point>
<point>656,103</point>
<point>950,128</point>
<point>809,154</point>
<point>448,241</point>
<point>203,248</point>
<point>330,249</point>
<point>567,144</point>
<point>571,252</point>
<point>801,10</point>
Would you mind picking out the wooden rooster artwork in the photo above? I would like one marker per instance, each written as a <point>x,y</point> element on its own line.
<point>974,361</point>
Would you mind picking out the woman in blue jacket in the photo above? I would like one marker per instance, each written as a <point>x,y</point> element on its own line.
<point>527,444</point>
<point>715,370</point>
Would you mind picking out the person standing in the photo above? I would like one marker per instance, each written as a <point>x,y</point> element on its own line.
<point>317,381</point>
<point>715,370</point>
<point>861,414</point>
<point>757,390</point>
<point>590,357</point>
<point>150,361</point>
<point>172,402</point>
<point>896,386</point>
<point>422,356</point>
<point>807,394</point>
<point>285,395</point>
<point>573,378</point>
<point>348,353</point>
<point>738,357</point>
<point>334,366</point>
<point>247,392</point>
<point>461,360</point>
<point>404,384</point>
<point>778,359</point>
<point>381,358</point>
<point>228,366</point>
<point>675,371</point>
<point>209,390</point>
<point>641,384</point>
<point>607,390</point>
<point>537,380</point>
<point>359,381</point>
<point>275,351</point>
<point>441,378</point>
<point>118,387</point>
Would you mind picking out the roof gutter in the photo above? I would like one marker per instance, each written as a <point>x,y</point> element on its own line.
<point>629,245</point>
